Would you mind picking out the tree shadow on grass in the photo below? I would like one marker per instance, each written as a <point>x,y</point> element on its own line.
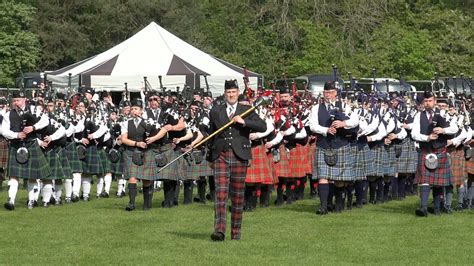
<point>190,235</point>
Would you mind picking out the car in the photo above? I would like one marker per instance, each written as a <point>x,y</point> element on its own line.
<point>316,82</point>
<point>384,85</point>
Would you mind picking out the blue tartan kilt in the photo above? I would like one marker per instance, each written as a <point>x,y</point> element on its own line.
<point>381,159</point>
<point>92,163</point>
<point>408,160</point>
<point>104,158</point>
<point>37,167</point>
<point>175,171</point>
<point>64,162</point>
<point>364,163</point>
<point>390,168</point>
<point>342,171</point>
<point>71,153</point>
<point>55,164</point>
<point>147,171</point>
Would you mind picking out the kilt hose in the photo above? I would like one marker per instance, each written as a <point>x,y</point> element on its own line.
<point>441,176</point>
<point>390,168</point>
<point>406,163</point>
<point>147,171</point>
<point>229,169</point>
<point>381,159</point>
<point>202,168</point>
<point>282,168</point>
<point>175,171</point>
<point>298,161</point>
<point>92,163</point>
<point>342,171</point>
<point>260,169</point>
<point>55,164</point>
<point>364,163</point>
<point>71,153</point>
<point>64,162</point>
<point>458,165</point>
<point>37,167</point>
<point>3,153</point>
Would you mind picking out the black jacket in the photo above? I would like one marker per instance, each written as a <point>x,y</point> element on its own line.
<point>236,137</point>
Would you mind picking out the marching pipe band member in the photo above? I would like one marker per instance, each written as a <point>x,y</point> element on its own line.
<point>138,137</point>
<point>25,158</point>
<point>115,149</point>
<point>364,163</point>
<point>430,129</point>
<point>333,161</point>
<point>124,116</point>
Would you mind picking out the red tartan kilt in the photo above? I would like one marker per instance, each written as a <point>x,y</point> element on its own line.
<point>458,166</point>
<point>3,153</point>
<point>260,169</point>
<point>442,176</point>
<point>311,154</point>
<point>299,161</point>
<point>282,168</point>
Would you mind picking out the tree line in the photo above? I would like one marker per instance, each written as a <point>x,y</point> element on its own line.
<point>412,38</point>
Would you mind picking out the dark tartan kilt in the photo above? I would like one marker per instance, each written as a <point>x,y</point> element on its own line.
<point>298,161</point>
<point>37,167</point>
<point>458,166</point>
<point>260,169</point>
<point>390,168</point>
<point>117,168</point>
<point>175,171</point>
<point>147,171</point>
<point>3,153</point>
<point>364,163</point>
<point>104,158</point>
<point>406,163</point>
<point>71,153</point>
<point>470,166</point>
<point>342,171</point>
<point>202,169</point>
<point>311,154</point>
<point>381,159</point>
<point>442,176</point>
<point>52,156</point>
<point>92,163</point>
<point>282,168</point>
<point>64,162</point>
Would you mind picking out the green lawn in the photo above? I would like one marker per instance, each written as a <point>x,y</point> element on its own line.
<point>101,232</point>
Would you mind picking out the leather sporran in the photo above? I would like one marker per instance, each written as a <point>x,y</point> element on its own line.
<point>160,160</point>
<point>137,158</point>
<point>467,153</point>
<point>330,157</point>
<point>398,150</point>
<point>431,161</point>
<point>197,156</point>
<point>114,155</point>
<point>276,155</point>
<point>81,152</point>
<point>22,155</point>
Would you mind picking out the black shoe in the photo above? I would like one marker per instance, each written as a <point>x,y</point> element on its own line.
<point>278,203</point>
<point>422,212</point>
<point>104,194</point>
<point>431,210</point>
<point>217,236</point>
<point>130,207</point>
<point>52,200</point>
<point>448,209</point>
<point>460,207</point>
<point>321,211</point>
<point>9,206</point>
<point>74,198</point>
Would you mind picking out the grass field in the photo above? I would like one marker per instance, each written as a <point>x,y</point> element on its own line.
<point>101,232</point>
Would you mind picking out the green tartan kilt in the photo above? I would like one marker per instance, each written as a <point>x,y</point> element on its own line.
<point>64,162</point>
<point>71,153</point>
<point>92,163</point>
<point>202,169</point>
<point>175,171</point>
<point>147,171</point>
<point>104,158</point>
<point>117,168</point>
<point>52,156</point>
<point>37,167</point>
